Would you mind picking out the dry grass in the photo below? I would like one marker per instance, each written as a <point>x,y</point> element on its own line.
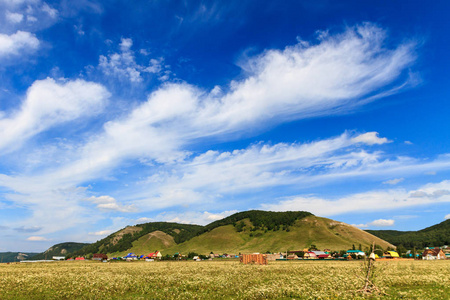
<point>220,280</point>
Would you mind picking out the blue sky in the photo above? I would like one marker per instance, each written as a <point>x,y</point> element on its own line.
<point>113,114</point>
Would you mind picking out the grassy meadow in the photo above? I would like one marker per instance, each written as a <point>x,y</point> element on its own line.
<point>221,279</point>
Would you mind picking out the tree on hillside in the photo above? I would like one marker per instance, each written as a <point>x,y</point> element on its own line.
<point>313,247</point>
<point>240,226</point>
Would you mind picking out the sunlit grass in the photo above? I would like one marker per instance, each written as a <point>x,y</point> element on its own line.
<point>220,280</point>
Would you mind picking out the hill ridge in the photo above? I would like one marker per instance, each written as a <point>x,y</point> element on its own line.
<point>253,230</point>
<point>432,236</point>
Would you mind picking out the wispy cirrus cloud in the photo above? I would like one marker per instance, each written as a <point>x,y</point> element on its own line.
<point>334,75</point>
<point>109,203</point>
<point>294,83</point>
<point>377,200</point>
<point>191,217</point>
<point>23,229</point>
<point>393,181</point>
<point>37,239</point>
<point>101,233</point>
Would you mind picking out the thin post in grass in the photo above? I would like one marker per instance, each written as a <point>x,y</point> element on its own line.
<point>369,286</point>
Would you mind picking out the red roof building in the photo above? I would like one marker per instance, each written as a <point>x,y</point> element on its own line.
<point>99,256</point>
<point>154,255</point>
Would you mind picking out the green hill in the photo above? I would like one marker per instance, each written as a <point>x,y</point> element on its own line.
<point>14,256</point>
<point>123,240</point>
<point>249,231</point>
<point>437,235</point>
<point>63,249</point>
<point>301,234</point>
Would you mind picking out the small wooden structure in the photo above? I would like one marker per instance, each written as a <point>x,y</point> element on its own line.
<point>99,256</point>
<point>258,259</point>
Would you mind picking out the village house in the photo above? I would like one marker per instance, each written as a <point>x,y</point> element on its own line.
<point>321,254</point>
<point>292,256</point>
<point>99,256</point>
<point>130,257</point>
<point>274,256</point>
<point>154,255</point>
<point>431,254</point>
<point>310,255</point>
<point>390,254</point>
<point>356,252</point>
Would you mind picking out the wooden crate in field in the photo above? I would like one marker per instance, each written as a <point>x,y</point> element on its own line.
<point>258,259</point>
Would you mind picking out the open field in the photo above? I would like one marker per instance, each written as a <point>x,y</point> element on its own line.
<point>221,280</point>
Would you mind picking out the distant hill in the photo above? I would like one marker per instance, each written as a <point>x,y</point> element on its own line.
<point>249,231</point>
<point>15,256</point>
<point>437,235</point>
<point>62,249</point>
<point>123,239</point>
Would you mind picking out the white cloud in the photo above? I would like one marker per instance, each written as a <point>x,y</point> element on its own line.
<point>124,65</point>
<point>295,83</point>
<point>125,44</point>
<point>144,220</point>
<point>206,176</point>
<point>31,19</point>
<point>382,223</point>
<point>447,217</point>
<point>49,103</point>
<point>218,216</point>
<point>155,65</point>
<point>368,201</point>
<point>394,181</point>
<point>14,17</point>
<point>34,15</point>
<point>377,223</point>
<point>37,239</point>
<point>14,3</point>
<point>336,75</point>
<point>191,217</point>
<point>49,10</point>
<point>109,203</point>
<point>17,43</point>
<point>101,233</point>
<point>371,138</point>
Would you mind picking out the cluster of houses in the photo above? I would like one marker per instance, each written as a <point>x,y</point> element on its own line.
<point>131,256</point>
<point>430,253</point>
<point>326,254</point>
